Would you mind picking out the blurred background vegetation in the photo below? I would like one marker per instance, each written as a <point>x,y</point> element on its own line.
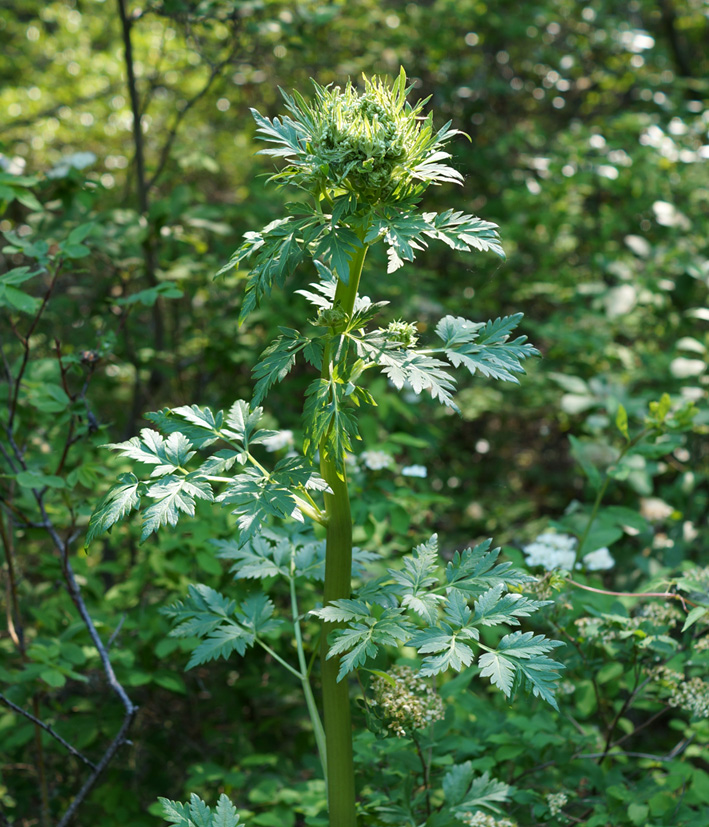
<point>589,127</point>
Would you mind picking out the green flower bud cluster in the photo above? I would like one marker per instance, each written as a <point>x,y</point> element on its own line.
<point>371,144</point>
<point>408,704</point>
<point>404,333</point>
<point>361,139</point>
<point>331,317</point>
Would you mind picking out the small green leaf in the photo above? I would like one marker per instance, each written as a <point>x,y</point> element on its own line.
<point>78,234</point>
<point>694,615</point>
<point>638,813</point>
<point>34,479</point>
<point>486,792</point>
<point>75,250</point>
<point>200,814</point>
<point>18,300</point>
<point>445,648</point>
<point>580,454</point>
<point>52,677</point>
<point>621,422</point>
<point>222,642</point>
<point>276,362</point>
<point>456,782</point>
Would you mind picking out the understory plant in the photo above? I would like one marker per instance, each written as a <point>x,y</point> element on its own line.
<point>360,162</point>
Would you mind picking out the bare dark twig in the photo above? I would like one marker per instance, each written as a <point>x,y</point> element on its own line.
<point>20,711</point>
<point>669,22</point>
<point>425,772</point>
<point>216,70</point>
<point>673,595</point>
<point>62,546</point>
<point>141,179</point>
<point>131,710</point>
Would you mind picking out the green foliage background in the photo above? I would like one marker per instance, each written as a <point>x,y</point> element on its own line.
<point>590,141</point>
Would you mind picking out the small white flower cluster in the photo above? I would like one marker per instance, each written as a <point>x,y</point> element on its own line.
<point>556,802</point>
<point>551,551</point>
<point>699,576</point>
<point>655,510</point>
<point>376,460</point>
<point>593,628</point>
<point>379,460</point>
<point>690,694</point>
<point>410,703</point>
<point>598,560</point>
<point>558,551</point>
<point>77,160</point>
<point>604,630</point>
<point>415,471</point>
<point>541,588</point>
<point>481,819</point>
<point>660,614</point>
<point>278,441</point>
<point>693,696</point>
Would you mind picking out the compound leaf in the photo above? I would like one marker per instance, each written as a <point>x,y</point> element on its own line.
<point>221,643</point>
<point>464,232</point>
<point>119,501</point>
<point>173,495</point>
<point>520,658</point>
<point>276,362</point>
<point>225,814</point>
<point>150,448</point>
<point>415,579</point>
<point>339,245</point>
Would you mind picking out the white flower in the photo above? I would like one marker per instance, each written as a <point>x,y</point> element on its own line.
<point>669,216</point>
<point>655,509</point>
<point>13,166</point>
<point>281,439</point>
<point>77,160</point>
<point>555,802</point>
<point>598,560</point>
<point>560,541</point>
<point>415,471</point>
<point>551,551</point>
<point>376,460</point>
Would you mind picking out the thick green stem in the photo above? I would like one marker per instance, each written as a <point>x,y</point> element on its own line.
<point>338,576</point>
<point>336,696</point>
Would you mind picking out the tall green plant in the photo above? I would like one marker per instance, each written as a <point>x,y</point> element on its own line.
<point>363,160</point>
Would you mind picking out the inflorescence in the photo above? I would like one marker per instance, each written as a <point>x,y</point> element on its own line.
<point>372,144</point>
<point>558,551</point>
<point>480,819</point>
<point>408,704</point>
